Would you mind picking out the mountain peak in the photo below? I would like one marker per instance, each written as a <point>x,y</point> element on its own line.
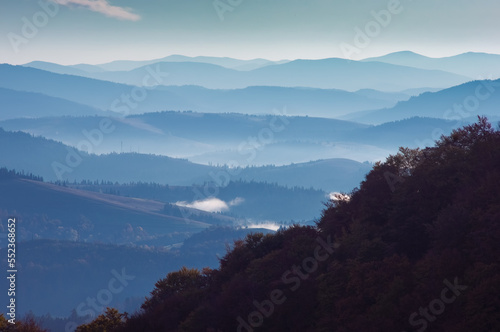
<point>401,55</point>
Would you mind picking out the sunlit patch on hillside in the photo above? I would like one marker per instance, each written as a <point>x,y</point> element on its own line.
<point>335,196</point>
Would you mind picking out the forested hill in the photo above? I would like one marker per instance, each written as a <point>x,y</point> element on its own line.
<point>415,248</point>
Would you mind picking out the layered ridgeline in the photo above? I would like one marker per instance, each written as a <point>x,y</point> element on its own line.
<point>23,104</point>
<point>239,138</point>
<point>333,73</point>
<point>416,247</point>
<point>56,161</point>
<point>457,103</point>
<point>471,64</point>
<point>129,99</point>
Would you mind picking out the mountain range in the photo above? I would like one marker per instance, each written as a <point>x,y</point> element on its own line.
<point>123,65</point>
<point>22,104</point>
<point>157,164</point>
<point>56,161</point>
<point>333,73</point>
<point>472,64</point>
<point>120,98</point>
<point>455,104</point>
<point>234,139</point>
<point>475,65</point>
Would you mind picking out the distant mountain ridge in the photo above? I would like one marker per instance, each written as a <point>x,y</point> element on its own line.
<point>48,158</point>
<point>95,93</point>
<point>60,69</point>
<point>456,104</point>
<point>332,73</point>
<point>21,104</point>
<point>220,61</point>
<point>416,71</point>
<point>252,100</point>
<point>474,65</point>
<point>127,65</point>
<point>218,138</point>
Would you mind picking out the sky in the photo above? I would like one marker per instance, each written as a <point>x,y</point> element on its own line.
<point>100,31</point>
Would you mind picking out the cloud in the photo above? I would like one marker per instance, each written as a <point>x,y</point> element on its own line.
<point>211,204</point>
<point>237,201</point>
<point>208,205</point>
<point>266,225</point>
<point>103,7</point>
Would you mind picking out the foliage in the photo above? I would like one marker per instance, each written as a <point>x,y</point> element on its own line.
<point>28,324</point>
<point>107,322</point>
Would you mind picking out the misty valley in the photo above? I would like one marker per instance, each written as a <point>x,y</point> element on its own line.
<point>219,194</point>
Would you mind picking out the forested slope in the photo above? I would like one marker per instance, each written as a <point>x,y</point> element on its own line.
<point>415,248</point>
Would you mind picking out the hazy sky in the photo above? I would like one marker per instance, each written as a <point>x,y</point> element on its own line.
<point>98,31</point>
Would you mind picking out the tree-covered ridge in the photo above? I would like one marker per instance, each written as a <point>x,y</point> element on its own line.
<point>262,200</point>
<point>415,248</point>
<point>11,173</point>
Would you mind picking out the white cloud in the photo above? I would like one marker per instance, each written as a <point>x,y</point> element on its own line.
<point>266,225</point>
<point>237,201</point>
<point>103,7</point>
<point>209,205</point>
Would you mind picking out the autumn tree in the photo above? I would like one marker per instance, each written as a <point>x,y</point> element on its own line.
<point>110,321</point>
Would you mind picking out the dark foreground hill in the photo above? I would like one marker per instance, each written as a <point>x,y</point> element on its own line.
<point>415,248</point>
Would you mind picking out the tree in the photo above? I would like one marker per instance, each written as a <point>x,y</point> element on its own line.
<point>107,322</point>
<point>28,324</point>
<point>175,283</point>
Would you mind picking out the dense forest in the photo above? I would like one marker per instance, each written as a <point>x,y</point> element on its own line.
<point>414,248</point>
